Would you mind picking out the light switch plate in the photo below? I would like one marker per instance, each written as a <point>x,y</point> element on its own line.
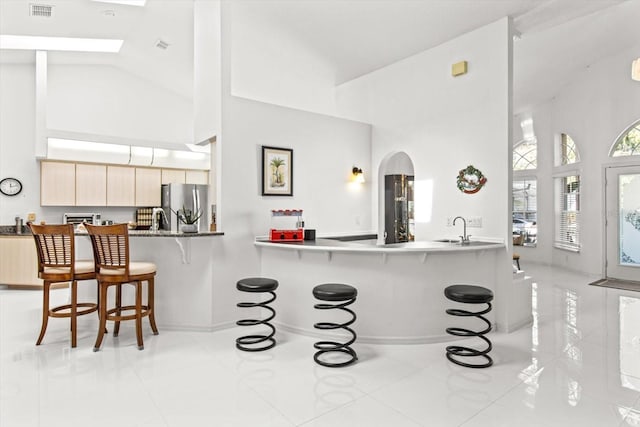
<point>474,221</point>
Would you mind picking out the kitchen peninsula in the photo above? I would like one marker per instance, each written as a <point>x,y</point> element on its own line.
<point>185,262</point>
<point>400,286</point>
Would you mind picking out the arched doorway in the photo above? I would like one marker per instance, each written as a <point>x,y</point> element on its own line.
<point>396,163</point>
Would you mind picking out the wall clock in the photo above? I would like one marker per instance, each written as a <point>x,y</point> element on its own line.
<point>10,186</point>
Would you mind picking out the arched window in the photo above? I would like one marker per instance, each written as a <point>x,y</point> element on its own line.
<point>629,142</point>
<point>568,152</point>
<point>525,155</point>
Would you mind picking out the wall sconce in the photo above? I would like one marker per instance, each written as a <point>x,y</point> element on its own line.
<point>358,176</point>
<point>635,70</point>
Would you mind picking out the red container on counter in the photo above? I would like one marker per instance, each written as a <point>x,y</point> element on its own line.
<point>296,235</point>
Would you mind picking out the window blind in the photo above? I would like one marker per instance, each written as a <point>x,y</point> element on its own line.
<point>568,212</point>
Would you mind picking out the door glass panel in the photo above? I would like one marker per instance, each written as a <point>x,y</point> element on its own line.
<point>629,211</point>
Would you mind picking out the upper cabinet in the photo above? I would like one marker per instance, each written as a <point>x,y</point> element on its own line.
<point>148,186</point>
<point>57,184</point>
<point>91,185</point>
<point>171,176</point>
<point>121,186</point>
<point>197,177</point>
<point>88,184</point>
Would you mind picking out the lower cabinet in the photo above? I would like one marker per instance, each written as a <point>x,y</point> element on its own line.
<point>18,261</point>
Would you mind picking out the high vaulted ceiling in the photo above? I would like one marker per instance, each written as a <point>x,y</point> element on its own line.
<point>555,38</point>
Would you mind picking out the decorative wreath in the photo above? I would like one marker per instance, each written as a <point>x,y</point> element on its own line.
<point>470,180</point>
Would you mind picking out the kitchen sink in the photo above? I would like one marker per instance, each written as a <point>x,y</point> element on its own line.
<point>471,243</point>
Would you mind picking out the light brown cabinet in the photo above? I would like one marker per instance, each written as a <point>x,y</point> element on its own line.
<point>18,261</point>
<point>91,185</point>
<point>170,176</point>
<point>57,184</point>
<point>88,184</point>
<point>148,186</point>
<point>197,177</point>
<point>121,186</point>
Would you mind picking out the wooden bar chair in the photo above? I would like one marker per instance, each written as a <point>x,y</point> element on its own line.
<point>57,264</point>
<point>113,268</point>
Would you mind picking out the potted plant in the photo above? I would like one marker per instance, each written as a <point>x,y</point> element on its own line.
<point>189,219</point>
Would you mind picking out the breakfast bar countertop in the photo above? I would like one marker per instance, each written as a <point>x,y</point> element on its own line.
<point>372,246</point>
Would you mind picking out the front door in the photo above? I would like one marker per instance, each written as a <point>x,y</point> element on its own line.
<point>623,222</point>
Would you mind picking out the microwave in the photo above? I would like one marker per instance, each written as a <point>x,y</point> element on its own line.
<point>79,218</point>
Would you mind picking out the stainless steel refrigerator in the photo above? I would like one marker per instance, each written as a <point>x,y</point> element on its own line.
<point>192,197</point>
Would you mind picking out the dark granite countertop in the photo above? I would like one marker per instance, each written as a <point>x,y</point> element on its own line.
<point>10,231</point>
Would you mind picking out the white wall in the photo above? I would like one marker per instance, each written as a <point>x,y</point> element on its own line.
<point>103,100</point>
<point>446,123</point>
<point>275,67</point>
<point>95,100</point>
<point>17,134</point>
<point>324,151</point>
<point>206,69</point>
<point>599,104</point>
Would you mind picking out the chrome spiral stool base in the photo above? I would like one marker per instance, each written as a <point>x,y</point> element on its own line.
<point>344,295</point>
<point>469,294</point>
<point>257,342</point>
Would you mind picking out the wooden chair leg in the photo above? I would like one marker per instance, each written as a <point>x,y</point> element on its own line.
<point>45,310</point>
<point>74,313</point>
<point>139,315</point>
<point>116,328</point>
<point>103,317</point>
<point>150,303</point>
<point>98,302</point>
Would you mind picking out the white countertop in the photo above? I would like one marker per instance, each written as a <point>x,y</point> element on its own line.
<point>331,245</point>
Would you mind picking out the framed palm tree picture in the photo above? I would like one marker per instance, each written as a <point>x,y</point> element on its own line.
<point>277,171</point>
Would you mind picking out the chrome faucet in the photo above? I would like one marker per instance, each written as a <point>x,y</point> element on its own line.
<point>155,225</point>
<point>464,239</point>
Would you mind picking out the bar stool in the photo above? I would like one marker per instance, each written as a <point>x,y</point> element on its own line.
<point>111,255</point>
<point>257,285</point>
<point>516,259</point>
<point>469,294</point>
<point>56,264</point>
<point>343,295</point>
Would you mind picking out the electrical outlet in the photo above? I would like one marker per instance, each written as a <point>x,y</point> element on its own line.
<point>449,221</point>
<point>31,217</point>
<point>474,221</point>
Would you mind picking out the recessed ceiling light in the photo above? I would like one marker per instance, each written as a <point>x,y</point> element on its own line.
<point>139,3</point>
<point>60,43</point>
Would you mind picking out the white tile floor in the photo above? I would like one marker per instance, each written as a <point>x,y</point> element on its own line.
<point>578,365</point>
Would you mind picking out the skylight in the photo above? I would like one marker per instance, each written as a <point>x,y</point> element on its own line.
<point>126,2</point>
<point>60,43</point>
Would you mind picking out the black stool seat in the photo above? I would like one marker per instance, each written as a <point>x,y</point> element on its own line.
<point>257,284</point>
<point>334,292</point>
<point>262,341</point>
<point>341,296</point>
<point>470,294</point>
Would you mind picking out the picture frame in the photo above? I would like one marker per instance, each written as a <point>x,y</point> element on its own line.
<point>277,171</point>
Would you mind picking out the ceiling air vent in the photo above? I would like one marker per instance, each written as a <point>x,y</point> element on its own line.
<point>42,10</point>
<point>161,44</point>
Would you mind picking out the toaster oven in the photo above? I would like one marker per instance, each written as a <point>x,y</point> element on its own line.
<point>79,218</point>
